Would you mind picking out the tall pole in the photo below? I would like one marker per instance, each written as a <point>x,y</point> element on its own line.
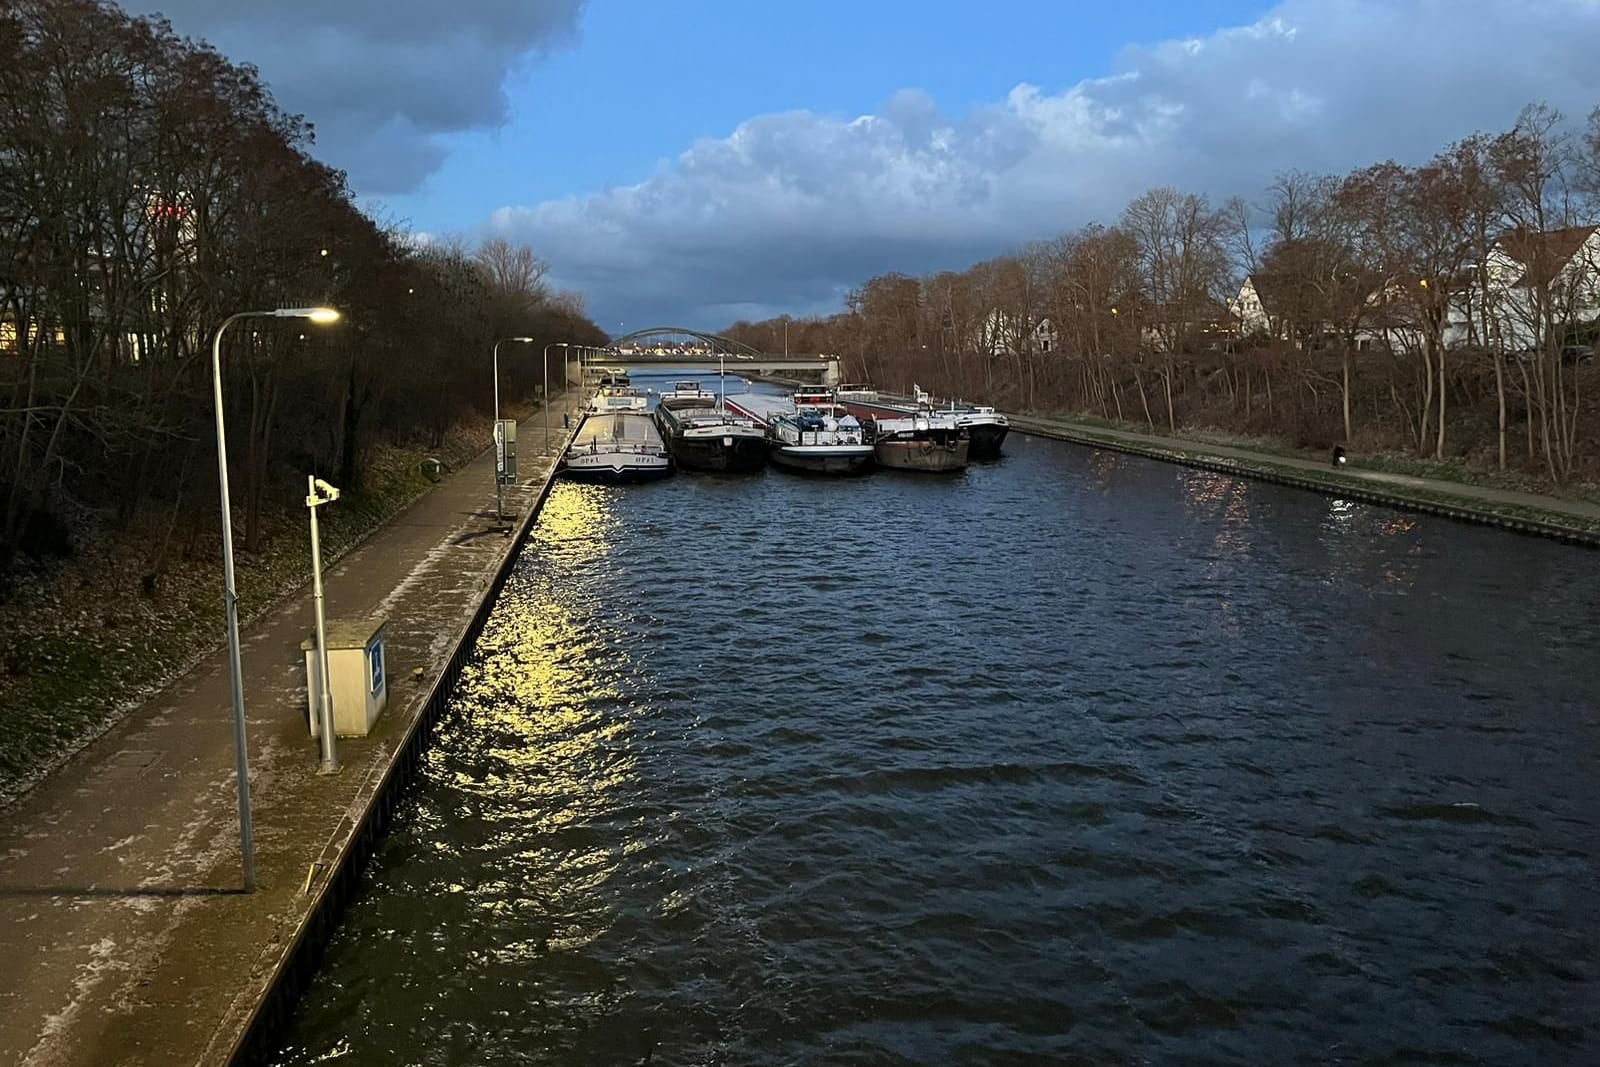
<point>546,362</point>
<point>247,847</point>
<point>499,448</point>
<point>230,596</point>
<point>330,759</point>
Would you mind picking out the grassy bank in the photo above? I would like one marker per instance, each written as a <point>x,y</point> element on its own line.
<point>83,642</point>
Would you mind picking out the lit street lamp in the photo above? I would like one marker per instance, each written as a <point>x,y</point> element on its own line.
<point>499,490</point>
<point>546,362</point>
<point>230,596</point>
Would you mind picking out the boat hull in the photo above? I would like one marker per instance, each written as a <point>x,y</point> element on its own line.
<point>615,468</point>
<point>922,455</point>
<point>742,454</point>
<point>987,439</point>
<point>822,460</point>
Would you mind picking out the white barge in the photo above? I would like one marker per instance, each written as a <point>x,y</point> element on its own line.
<point>621,447</point>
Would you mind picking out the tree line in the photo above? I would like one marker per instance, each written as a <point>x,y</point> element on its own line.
<point>149,188</point>
<point>1443,308</point>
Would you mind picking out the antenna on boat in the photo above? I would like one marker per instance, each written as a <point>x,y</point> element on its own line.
<point>722,382</point>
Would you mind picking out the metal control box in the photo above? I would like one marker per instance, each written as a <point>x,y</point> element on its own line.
<point>357,676</point>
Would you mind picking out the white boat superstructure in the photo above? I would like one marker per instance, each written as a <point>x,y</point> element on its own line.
<point>808,432</point>
<point>614,399</point>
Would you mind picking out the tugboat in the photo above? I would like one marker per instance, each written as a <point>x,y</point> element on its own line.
<point>809,432</point>
<point>617,448</point>
<point>704,436</point>
<point>926,441</point>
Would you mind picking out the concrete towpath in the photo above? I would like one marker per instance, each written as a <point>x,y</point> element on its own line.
<point>1577,519</point>
<point>124,936</point>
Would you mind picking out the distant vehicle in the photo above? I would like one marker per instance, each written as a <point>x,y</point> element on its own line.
<point>1577,353</point>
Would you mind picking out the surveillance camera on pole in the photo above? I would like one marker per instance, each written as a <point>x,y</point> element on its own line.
<point>320,493</point>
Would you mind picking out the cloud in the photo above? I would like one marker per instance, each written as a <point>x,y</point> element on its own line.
<point>382,83</point>
<point>791,209</point>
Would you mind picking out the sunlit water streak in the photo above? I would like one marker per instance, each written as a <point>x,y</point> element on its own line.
<point>1073,758</point>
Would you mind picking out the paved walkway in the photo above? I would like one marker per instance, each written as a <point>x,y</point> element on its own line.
<point>1401,484</point>
<point>124,938</point>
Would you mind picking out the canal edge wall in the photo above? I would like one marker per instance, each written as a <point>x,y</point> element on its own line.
<point>1460,510</point>
<point>292,973</point>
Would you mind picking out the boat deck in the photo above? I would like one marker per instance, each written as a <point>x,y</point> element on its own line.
<point>759,406</point>
<point>625,428</point>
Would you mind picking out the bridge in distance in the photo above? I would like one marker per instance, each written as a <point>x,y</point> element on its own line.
<point>679,346</point>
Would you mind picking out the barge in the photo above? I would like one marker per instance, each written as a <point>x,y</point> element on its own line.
<point>617,448</point>
<point>704,435</point>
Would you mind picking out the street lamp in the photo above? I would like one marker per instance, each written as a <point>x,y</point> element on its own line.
<point>499,490</point>
<point>546,362</point>
<point>230,596</point>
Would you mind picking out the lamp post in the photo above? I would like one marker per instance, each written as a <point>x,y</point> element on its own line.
<point>499,490</point>
<point>230,597</point>
<point>546,362</point>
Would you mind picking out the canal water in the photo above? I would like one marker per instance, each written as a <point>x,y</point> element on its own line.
<point>1071,758</point>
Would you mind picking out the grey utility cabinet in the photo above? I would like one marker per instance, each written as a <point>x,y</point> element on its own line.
<point>356,675</point>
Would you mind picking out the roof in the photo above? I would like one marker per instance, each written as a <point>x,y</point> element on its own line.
<point>1270,292</point>
<point>1544,255</point>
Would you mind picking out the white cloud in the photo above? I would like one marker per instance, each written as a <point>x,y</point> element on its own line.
<point>791,209</point>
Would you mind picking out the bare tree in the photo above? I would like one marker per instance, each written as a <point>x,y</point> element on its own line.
<point>515,274</point>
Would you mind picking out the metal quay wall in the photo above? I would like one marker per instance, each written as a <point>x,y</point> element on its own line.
<point>1459,513</point>
<point>297,965</point>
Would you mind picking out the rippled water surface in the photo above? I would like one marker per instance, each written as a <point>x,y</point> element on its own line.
<point>1071,758</point>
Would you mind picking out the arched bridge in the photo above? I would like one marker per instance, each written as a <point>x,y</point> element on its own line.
<point>680,345</point>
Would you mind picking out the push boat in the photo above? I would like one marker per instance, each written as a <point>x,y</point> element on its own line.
<point>986,427</point>
<point>808,432</point>
<point>926,441</point>
<point>620,447</point>
<point>702,435</point>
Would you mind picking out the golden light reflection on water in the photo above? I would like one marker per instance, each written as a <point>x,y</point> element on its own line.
<point>578,513</point>
<point>552,700</point>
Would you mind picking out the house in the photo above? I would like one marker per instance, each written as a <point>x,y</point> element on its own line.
<point>1553,275</point>
<point>1003,334</point>
<point>1259,310</point>
<point>1202,325</point>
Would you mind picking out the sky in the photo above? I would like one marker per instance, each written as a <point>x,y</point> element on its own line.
<point>694,162</point>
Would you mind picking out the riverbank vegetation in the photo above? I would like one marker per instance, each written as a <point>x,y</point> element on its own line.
<point>1445,312</point>
<point>150,188</point>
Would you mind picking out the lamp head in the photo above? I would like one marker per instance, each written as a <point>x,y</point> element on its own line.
<point>319,315</point>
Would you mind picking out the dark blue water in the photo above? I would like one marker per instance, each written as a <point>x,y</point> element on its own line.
<point>1072,758</point>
